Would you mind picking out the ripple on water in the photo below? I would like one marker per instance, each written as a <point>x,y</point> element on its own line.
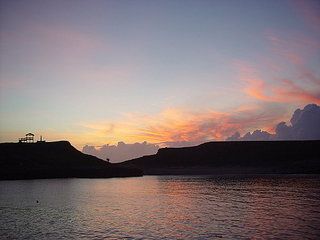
<point>162,207</point>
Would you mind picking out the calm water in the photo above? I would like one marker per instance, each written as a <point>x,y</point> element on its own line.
<point>162,207</point>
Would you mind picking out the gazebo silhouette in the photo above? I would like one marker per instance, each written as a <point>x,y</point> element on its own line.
<point>28,139</point>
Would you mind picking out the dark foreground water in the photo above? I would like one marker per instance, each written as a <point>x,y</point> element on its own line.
<point>162,207</point>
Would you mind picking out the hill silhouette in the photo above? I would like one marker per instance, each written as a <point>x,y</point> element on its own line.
<point>55,160</point>
<point>252,157</point>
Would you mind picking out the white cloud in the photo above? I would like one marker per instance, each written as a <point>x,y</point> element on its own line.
<point>121,151</point>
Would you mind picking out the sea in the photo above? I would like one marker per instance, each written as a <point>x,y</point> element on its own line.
<point>162,207</point>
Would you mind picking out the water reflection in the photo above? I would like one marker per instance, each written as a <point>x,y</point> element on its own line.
<point>162,207</point>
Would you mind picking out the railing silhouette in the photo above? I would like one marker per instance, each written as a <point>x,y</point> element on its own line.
<point>28,139</point>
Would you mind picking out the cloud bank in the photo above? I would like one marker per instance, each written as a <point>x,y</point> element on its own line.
<point>304,125</point>
<point>121,151</point>
<point>177,127</point>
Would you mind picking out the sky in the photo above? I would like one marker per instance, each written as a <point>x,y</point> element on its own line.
<point>164,73</point>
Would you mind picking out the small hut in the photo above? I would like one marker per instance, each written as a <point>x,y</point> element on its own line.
<point>28,139</point>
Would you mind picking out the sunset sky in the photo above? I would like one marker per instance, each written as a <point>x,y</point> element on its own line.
<point>166,71</point>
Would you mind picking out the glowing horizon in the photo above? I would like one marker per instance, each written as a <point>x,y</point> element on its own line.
<point>97,73</point>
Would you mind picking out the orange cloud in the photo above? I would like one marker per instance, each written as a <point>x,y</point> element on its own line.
<point>254,85</point>
<point>287,91</point>
<point>177,125</point>
<point>290,92</point>
<point>282,89</point>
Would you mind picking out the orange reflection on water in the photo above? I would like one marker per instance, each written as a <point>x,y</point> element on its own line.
<point>193,206</point>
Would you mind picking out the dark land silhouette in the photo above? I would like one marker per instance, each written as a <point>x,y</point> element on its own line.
<point>62,160</point>
<point>55,160</point>
<point>251,157</point>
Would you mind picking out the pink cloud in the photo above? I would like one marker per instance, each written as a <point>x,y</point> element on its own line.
<point>255,86</point>
<point>296,53</point>
<point>63,33</point>
<point>9,83</point>
<point>291,91</point>
<point>285,91</point>
<point>303,84</point>
<point>51,46</point>
<point>176,125</point>
<point>310,12</point>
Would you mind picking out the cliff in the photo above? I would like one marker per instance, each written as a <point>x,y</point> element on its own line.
<point>54,160</point>
<point>263,157</point>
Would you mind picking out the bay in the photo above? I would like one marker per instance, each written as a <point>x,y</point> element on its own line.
<point>162,207</point>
